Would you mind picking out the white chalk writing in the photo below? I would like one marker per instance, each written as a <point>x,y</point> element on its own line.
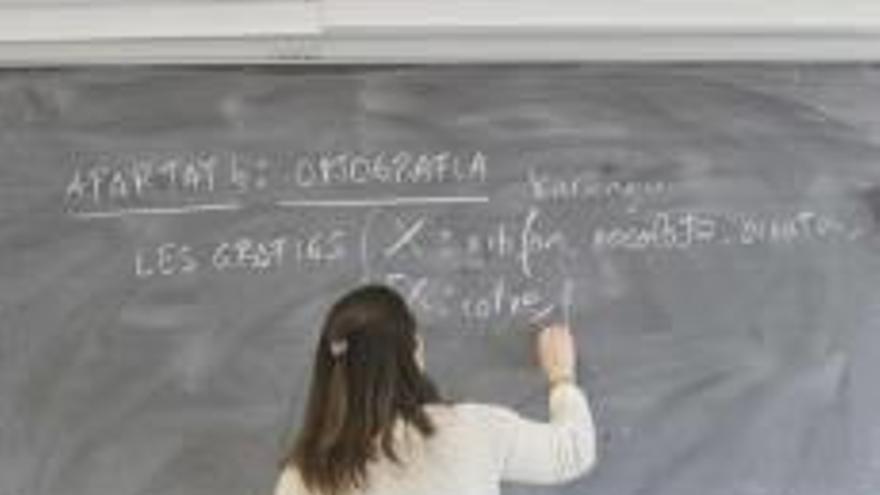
<point>168,181</point>
<point>685,229</point>
<point>241,254</point>
<point>545,186</point>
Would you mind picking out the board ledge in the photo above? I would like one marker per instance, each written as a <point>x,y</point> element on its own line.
<point>453,31</point>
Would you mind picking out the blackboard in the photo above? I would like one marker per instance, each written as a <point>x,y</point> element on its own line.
<point>170,239</point>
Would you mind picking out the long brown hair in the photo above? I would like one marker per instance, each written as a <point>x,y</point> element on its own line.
<point>365,378</point>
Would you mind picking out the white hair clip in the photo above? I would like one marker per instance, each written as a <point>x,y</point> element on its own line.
<point>338,347</point>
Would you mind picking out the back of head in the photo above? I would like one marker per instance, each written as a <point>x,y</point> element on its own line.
<point>365,378</point>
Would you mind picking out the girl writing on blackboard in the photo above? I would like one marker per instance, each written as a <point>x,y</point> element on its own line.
<point>375,423</point>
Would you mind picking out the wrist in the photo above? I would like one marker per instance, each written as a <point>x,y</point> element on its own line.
<point>561,379</point>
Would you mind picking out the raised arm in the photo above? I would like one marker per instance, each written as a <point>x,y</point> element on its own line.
<point>563,448</point>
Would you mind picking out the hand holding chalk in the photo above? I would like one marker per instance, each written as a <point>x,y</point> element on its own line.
<point>556,354</point>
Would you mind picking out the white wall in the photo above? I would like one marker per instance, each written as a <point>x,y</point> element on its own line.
<point>43,31</point>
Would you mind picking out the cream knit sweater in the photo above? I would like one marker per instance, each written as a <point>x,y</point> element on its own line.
<point>478,446</point>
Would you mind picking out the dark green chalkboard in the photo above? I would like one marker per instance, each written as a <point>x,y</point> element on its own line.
<point>170,239</point>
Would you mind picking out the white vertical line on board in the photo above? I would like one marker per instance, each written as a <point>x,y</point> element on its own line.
<point>366,271</point>
<point>567,289</point>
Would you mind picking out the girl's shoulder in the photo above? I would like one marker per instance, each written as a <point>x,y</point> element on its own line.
<point>472,415</point>
<point>290,482</point>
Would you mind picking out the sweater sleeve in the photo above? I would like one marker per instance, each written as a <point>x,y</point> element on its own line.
<point>549,452</point>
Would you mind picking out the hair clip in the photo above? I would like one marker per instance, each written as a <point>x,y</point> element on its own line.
<point>338,347</point>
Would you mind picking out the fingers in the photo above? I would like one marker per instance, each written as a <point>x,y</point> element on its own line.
<point>556,352</point>
<point>557,333</point>
<point>557,328</point>
<point>552,336</point>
